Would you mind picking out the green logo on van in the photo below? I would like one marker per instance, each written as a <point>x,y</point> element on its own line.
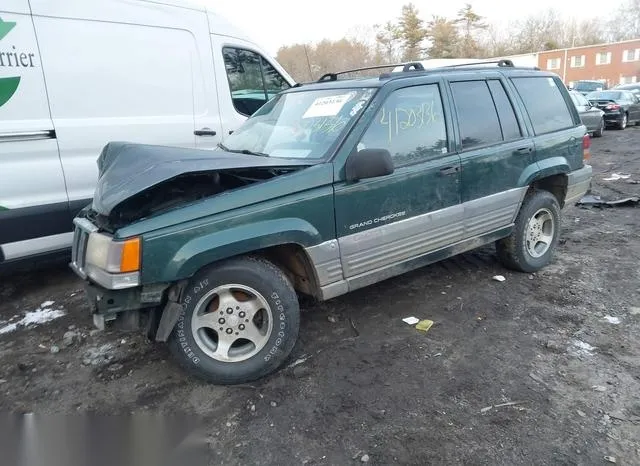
<point>8,86</point>
<point>5,27</point>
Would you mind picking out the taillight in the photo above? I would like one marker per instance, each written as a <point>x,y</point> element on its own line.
<point>613,107</point>
<point>586,148</point>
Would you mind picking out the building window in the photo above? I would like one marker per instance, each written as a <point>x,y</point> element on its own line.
<point>578,61</point>
<point>603,58</point>
<point>627,79</point>
<point>631,55</point>
<point>553,64</point>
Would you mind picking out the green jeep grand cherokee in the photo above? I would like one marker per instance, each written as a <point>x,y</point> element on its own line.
<point>329,187</point>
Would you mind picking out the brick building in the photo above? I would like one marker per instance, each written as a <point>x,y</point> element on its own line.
<point>614,63</point>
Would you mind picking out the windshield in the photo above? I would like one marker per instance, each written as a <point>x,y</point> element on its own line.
<point>305,124</point>
<point>606,95</point>
<point>586,86</point>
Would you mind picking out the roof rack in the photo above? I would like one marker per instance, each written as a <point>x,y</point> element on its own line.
<point>502,62</point>
<point>412,66</point>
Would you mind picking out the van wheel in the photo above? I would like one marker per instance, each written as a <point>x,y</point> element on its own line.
<point>239,322</point>
<point>531,245</point>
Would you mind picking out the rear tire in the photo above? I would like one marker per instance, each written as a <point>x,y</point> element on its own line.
<point>600,130</point>
<point>240,321</point>
<point>535,234</point>
<point>623,123</point>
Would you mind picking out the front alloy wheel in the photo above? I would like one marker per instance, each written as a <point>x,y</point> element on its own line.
<point>239,321</point>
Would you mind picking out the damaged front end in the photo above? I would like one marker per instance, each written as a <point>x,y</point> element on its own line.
<point>137,182</point>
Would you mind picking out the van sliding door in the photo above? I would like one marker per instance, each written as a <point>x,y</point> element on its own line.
<point>34,208</point>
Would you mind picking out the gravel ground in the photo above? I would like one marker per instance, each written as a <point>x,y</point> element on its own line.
<point>538,369</point>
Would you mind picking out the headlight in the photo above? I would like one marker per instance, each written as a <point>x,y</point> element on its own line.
<point>113,264</point>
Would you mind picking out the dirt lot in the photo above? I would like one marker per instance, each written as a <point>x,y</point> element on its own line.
<point>563,345</point>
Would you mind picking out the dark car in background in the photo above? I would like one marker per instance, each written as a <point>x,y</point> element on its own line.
<point>585,86</point>
<point>632,87</point>
<point>621,108</point>
<point>592,117</point>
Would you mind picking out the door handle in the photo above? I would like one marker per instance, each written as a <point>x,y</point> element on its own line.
<point>204,132</point>
<point>449,170</point>
<point>524,150</point>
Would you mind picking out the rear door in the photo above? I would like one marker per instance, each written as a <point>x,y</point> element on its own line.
<point>589,114</point>
<point>557,136</point>
<point>494,153</point>
<point>382,222</point>
<point>634,107</point>
<point>34,208</point>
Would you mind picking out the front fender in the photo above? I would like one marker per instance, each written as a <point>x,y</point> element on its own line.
<point>215,246</point>
<point>544,168</point>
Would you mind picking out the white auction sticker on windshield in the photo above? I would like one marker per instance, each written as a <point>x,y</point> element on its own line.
<point>326,106</point>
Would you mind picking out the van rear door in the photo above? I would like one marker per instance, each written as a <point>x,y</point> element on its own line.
<point>34,208</point>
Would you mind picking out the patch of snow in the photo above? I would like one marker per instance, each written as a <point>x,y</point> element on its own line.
<point>616,176</point>
<point>582,348</point>
<point>47,304</point>
<point>299,361</point>
<point>612,320</point>
<point>37,317</point>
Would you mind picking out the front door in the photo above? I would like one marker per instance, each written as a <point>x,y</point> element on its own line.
<point>382,222</point>
<point>245,80</point>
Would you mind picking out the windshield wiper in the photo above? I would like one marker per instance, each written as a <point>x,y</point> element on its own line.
<point>242,151</point>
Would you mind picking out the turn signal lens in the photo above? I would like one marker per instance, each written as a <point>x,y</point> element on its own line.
<point>130,259</point>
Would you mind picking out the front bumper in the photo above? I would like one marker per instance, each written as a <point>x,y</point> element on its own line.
<point>579,183</point>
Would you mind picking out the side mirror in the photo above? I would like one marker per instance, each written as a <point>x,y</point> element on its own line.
<point>368,163</point>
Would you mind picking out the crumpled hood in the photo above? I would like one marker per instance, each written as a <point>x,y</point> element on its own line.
<point>126,169</point>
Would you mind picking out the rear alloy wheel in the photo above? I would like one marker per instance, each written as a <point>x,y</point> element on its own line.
<point>535,234</point>
<point>239,322</point>
<point>598,133</point>
<point>623,122</point>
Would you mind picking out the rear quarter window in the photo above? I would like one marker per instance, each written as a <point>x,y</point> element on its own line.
<point>545,104</point>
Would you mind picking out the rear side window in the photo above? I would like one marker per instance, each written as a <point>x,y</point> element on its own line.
<point>545,104</point>
<point>508,120</point>
<point>477,117</point>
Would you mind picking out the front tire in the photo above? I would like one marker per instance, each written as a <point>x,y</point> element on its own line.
<point>240,321</point>
<point>535,235</point>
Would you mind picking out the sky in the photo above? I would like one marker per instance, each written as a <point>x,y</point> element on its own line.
<point>272,24</point>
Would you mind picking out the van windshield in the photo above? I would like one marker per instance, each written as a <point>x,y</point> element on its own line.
<point>304,124</point>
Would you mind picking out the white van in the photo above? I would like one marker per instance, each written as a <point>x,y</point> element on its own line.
<point>76,74</point>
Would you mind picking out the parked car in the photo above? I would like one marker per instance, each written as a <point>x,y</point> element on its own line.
<point>586,86</point>
<point>76,74</point>
<point>329,187</point>
<point>621,108</point>
<point>634,87</point>
<point>592,117</point>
